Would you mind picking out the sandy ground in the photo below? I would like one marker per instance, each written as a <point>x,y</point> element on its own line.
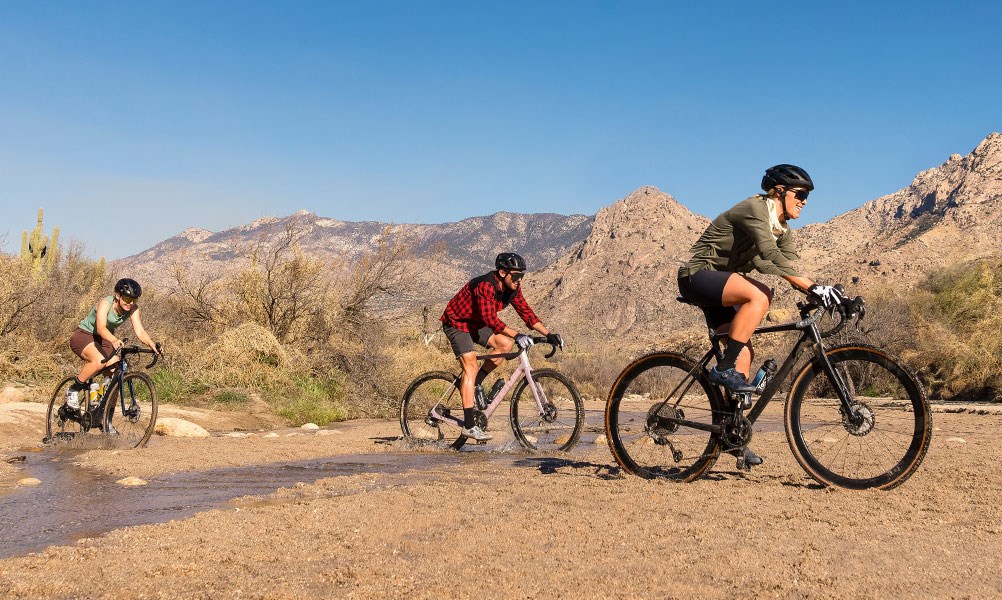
<point>510,524</point>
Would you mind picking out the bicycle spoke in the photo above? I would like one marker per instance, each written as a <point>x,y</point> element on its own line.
<point>885,438</point>
<point>645,415</point>
<point>431,411</point>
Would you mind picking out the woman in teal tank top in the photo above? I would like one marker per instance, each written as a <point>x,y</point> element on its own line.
<point>95,340</point>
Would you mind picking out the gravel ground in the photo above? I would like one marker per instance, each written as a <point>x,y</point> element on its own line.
<point>509,524</point>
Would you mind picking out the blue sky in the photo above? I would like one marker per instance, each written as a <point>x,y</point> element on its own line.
<point>131,121</point>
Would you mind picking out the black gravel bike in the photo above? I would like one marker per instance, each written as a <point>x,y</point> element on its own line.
<point>131,393</point>
<point>546,413</point>
<point>854,416</point>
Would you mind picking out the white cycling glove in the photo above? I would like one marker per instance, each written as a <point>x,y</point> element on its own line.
<point>826,295</point>
<point>523,341</point>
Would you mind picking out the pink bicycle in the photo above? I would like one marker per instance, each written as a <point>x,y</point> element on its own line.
<point>546,409</point>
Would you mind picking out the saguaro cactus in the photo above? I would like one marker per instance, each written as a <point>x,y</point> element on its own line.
<point>38,248</point>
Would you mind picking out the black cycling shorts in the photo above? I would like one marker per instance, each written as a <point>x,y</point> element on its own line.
<point>705,289</point>
<point>462,341</point>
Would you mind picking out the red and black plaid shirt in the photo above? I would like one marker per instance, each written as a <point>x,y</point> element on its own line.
<point>478,303</point>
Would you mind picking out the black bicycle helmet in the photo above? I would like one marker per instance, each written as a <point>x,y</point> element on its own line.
<point>128,287</point>
<point>788,176</point>
<point>509,261</point>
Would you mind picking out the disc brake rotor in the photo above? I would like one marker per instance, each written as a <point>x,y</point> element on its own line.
<point>860,421</point>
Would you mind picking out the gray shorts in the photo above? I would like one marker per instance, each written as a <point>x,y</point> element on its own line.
<point>462,341</point>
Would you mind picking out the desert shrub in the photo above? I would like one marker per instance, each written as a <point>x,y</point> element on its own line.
<point>958,314</point>
<point>944,329</point>
<point>313,399</point>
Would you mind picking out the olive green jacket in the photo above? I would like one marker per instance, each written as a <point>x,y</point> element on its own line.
<point>740,240</point>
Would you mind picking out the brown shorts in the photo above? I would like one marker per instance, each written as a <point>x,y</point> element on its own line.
<point>80,340</point>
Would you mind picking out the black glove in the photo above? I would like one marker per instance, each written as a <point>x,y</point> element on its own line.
<point>827,296</point>
<point>523,341</point>
<point>555,340</point>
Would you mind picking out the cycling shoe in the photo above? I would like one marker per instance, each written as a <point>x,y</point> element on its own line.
<point>730,379</point>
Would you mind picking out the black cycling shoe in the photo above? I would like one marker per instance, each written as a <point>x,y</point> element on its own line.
<point>746,458</point>
<point>752,459</point>
<point>730,379</point>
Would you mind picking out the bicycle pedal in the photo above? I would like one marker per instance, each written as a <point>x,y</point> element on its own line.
<point>742,465</point>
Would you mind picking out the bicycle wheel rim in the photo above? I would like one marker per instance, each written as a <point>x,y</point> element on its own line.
<point>135,425</point>
<point>886,441</point>
<point>649,447</point>
<point>436,389</point>
<point>559,426</point>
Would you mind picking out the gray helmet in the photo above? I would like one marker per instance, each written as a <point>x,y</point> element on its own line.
<point>788,176</point>
<point>509,261</point>
<point>128,287</point>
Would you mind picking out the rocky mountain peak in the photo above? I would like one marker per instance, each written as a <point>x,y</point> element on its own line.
<point>195,234</point>
<point>646,214</point>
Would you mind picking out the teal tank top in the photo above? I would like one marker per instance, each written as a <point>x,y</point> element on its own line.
<point>89,324</point>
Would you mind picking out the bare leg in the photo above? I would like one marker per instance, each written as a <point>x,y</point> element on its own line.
<point>470,366</point>
<point>753,297</point>
<point>93,364</point>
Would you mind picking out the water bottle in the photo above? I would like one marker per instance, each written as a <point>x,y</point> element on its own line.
<point>495,389</point>
<point>95,391</point>
<point>73,399</point>
<point>764,375</point>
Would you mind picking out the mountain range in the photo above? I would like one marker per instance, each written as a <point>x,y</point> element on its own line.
<point>616,271</point>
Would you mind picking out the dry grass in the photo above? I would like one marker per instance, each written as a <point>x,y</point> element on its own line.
<point>334,357</point>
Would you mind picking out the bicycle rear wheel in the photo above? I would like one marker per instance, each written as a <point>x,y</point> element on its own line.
<point>559,425</point>
<point>134,424</point>
<point>657,417</point>
<point>420,425</point>
<point>60,424</point>
<point>881,443</point>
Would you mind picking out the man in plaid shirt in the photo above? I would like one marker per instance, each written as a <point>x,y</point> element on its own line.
<point>472,315</point>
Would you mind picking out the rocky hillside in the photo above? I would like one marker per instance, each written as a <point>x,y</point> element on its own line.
<point>621,278</point>
<point>948,214</point>
<point>616,272</point>
<point>451,252</point>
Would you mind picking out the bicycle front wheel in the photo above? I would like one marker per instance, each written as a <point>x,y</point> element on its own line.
<point>558,425</point>
<point>431,411</point>
<point>132,425</point>
<point>880,441</point>
<point>662,418</point>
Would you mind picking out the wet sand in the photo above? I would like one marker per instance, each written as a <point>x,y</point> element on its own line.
<point>512,524</point>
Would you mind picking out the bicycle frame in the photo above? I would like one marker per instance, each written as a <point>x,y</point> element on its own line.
<point>810,335</point>
<point>117,371</point>
<point>524,369</point>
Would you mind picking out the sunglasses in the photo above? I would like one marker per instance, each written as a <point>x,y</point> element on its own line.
<point>129,299</point>
<point>516,275</point>
<point>800,194</point>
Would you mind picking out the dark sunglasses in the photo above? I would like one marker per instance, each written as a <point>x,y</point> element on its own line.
<point>516,275</point>
<point>129,299</point>
<point>800,194</point>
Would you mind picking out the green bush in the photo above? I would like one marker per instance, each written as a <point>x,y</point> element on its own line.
<point>231,397</point>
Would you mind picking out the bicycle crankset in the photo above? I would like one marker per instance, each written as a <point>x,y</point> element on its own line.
<point>737,432</point>
<point>861,420</point>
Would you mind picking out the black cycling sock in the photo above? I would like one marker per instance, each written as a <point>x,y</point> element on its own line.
<point>734,348</point>
<point>77,384</point>
<point>468,417</point>
<point>481,376</point>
